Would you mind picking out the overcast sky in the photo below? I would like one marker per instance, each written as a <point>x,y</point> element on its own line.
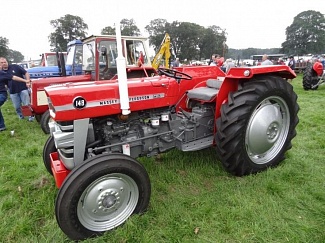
<point>249,23</point>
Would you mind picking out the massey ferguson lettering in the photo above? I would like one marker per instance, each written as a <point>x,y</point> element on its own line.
<point>139,98</point>
<point>109,102</point>
<point>133,99</point>
<point>146,97</point>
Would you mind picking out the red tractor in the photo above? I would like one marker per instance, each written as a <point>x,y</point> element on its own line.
<point>314,75</point>
<point>103,68</point>
<point>100,128</point>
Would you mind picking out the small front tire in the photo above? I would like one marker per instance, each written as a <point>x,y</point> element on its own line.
<point>101,194</point>
<point>44,122</point>
<point>48,148</point>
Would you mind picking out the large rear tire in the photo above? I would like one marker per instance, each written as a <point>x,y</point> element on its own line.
<point>310,78</point>
<point>257,125</point>
<point>101,194</point>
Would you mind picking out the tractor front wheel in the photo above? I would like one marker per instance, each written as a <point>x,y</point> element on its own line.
<point>101,194</point>
<point>257,125</point>
<point>38,117</point>
<point>48,148</point>
<point>44,122</point>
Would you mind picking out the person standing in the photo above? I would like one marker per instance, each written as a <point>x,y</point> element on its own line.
<point>176,62</point>
<point>281,62</point>
<point>265,60</point>
<point>219,60</point>
<point>141,59</point>
<point>212,60</point>
<point>4,79</point>
<point>19,93</point>
<point>229,64</point>
<point>292,65</point>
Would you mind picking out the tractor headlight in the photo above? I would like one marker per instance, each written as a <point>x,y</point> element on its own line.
<point>247,73</point>
<point>50,104</point>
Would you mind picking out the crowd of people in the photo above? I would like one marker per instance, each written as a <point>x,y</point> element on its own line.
<point>219,61</point>
<point>15,81</point>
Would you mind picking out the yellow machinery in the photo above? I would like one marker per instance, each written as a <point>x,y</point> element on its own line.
<point>163,51</point>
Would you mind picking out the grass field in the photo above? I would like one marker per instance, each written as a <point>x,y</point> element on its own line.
<point>193,198</point>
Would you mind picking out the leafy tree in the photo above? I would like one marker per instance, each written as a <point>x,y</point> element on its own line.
<point>188,40</point>
<point>306,34</point>
<point>185,38</point>
<point>157,29</point>
<point>15,56</point>
<point>10,55</point>
<point>213,41</point>
<point>67,28</point>
<point>128,28</point>
<point>4,42</point>
<point>108,31</point>
<point>247,53</point>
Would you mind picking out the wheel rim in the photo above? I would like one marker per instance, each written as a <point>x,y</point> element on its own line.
<point>267,130</point>
<point>108,202</point>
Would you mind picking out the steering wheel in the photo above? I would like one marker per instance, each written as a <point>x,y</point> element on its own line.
<point>174,73</point>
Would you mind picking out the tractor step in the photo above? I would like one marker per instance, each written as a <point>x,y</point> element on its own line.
<point>196,145</point>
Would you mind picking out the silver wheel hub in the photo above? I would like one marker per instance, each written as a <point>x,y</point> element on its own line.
<point>267,130</point>
<point>108,202</point>
<point>272,131</point>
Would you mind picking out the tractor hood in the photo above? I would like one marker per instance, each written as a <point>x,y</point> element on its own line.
<point>41,83</point>
<point>71,101</point>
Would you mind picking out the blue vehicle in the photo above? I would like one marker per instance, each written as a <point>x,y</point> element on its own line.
<point>73,63</point>
<point>50,65</point>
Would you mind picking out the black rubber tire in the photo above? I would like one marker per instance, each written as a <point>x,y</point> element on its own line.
<point>239,139</point>
<point>45,122</point>
<point>48,148</point>
<point>38,118</point>
<point>94,183</point>
<point>310,78</point>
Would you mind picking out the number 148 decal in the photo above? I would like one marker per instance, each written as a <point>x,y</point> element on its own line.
<point>79,102</point>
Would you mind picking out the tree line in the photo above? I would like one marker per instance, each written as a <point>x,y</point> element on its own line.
<point>190,41</point>
<point>12,55</point>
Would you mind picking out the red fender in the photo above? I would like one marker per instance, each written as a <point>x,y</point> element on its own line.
<point>318,67</point>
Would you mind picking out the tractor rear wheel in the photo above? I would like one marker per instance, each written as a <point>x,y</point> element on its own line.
<point>257,125</point>
<point>101,194</point>
<point>310,78</point>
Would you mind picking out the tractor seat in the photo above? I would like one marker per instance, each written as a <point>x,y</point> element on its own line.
<point>206,93</point>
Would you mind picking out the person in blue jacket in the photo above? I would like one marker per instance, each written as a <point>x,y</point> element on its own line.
<point>19,93</point>
<point>4,79</point>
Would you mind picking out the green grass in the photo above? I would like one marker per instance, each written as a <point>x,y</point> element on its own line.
<point>193,198</point>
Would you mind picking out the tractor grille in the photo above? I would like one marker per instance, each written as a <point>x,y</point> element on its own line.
<point>64,142</point>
